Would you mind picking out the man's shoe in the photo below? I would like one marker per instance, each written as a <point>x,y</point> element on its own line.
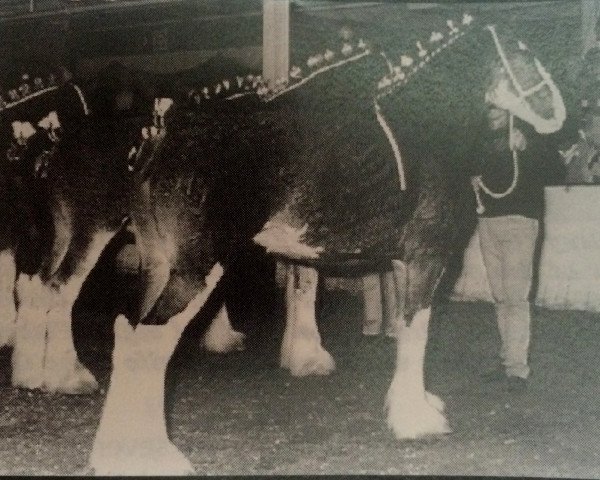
<point>516,384</point>
<point>497,374</point>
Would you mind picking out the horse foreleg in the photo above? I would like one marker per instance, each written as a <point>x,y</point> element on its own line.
<point>412,411</point>
<point>63,372</point>
<point>132,437</point>
<point>302,351</point>
<point>30,338</point>
<point>8,311</point>
<point>373,308</point>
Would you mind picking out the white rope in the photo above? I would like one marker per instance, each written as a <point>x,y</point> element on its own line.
<point>510,189</point>
<point>390,136</point>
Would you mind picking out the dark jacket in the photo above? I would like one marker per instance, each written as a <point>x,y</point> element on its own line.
<point>539,165</point>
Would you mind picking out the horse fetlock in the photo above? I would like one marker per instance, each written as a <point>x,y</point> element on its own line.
<point>118,456</point>
<point>75,379</point>
<point>306,358</point>
<point>8,330</point>
<point>413,415</point>
<point>231,341</point>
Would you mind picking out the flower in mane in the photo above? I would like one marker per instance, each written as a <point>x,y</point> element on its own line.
<point>316,64</point>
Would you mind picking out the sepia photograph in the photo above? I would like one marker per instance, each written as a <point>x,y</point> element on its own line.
<point>300,237</point>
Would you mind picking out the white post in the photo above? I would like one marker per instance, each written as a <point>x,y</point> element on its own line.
<point>276,39</point>
<point>276,44</point>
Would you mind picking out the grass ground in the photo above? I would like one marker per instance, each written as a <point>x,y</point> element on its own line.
<point>241,414</point>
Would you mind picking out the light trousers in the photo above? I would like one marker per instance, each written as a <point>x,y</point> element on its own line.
<point>508,245</point>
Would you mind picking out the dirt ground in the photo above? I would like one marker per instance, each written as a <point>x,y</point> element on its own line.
<point>240,414</point>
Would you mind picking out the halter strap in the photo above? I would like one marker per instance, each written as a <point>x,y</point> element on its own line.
<point>519,103</point>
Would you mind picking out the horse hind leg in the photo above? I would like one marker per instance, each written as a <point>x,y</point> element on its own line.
<point>63,372</point>
<point>132,437</point>
<point>412,411</point>
<point>8,311</point>
<point>34,299</point>
<point>301,351</point>
<point>31,330</point>
<point>155,273</point>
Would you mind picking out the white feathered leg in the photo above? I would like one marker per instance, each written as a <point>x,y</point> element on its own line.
<point>30,339</point>
<point>413,412</point>
<point>63,372</point>
<point>8,311</point>
<point>132,437</point>
<point>302,352</point>
<point>221,337</point>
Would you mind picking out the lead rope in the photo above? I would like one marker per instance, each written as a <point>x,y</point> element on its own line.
<point>497,195</point>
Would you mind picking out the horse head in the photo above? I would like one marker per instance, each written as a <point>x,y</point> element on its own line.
<point>440,94</point>
<point>522,86</point>
<point>36,114</point>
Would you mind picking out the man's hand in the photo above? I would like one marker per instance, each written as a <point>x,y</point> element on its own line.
<point>518,140</point>
<point>475,181</point>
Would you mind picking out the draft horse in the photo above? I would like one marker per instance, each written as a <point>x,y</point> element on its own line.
<point>339,179</point>
<point>79,165</point>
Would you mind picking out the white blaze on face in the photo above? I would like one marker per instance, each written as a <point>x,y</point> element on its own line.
<point>161,105</point>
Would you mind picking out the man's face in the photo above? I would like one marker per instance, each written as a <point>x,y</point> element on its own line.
<point>497,118</point>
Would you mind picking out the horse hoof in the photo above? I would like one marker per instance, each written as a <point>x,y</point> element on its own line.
<point>415,416</point>
<point>78,382</point>
<point>317,362</point>
<point>232,342</point>
<point>146,458</point>
<point>26,382</point>
<point>8,331</point>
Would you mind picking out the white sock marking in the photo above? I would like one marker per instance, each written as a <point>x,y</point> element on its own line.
<point>221,337</point>
<point>8,311</point>
<point>413,412</point>
<point>132,437</point>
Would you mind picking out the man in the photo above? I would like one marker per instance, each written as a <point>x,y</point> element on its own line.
<point>516,164</point>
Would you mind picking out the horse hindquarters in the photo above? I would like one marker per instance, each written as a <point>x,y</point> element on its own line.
<point>132,436</point>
